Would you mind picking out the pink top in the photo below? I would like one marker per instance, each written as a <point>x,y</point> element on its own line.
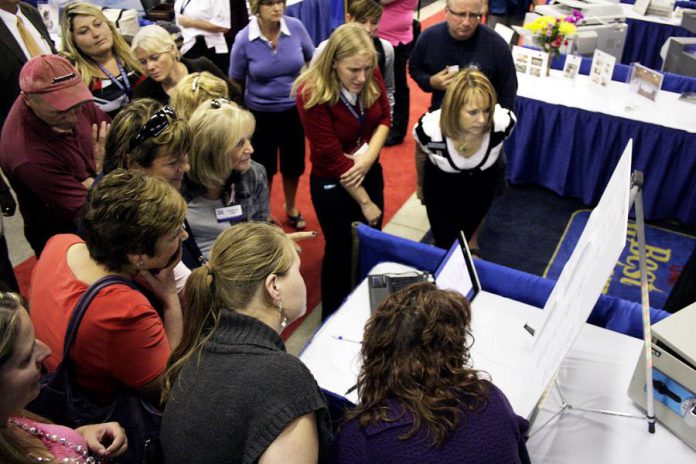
<point>59,450</point>
<point>395,26</point>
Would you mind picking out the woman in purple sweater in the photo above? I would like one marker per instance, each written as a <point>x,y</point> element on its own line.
<point>419,400</point>
<point>266,58</point>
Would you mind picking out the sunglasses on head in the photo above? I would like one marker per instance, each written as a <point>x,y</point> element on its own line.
<point>157,123</point>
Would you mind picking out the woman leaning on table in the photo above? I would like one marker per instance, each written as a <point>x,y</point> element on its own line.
<point>24,437</point>
<point>101,55</point>
<point>345,112</point>
<point>266,58</point>
<point>459,157</point>
<point>420,401</point>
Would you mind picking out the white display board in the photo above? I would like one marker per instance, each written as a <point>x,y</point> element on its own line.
<point>581,282</point>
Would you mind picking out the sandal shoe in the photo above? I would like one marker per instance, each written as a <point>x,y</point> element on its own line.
<point>297,222</point>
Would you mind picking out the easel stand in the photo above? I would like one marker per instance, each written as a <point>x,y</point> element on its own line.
<point>636,199</point>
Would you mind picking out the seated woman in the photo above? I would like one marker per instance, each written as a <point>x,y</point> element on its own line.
<point>194,89</point>
<point>233,394</point>
<point>24,437</point>
<point>227,185</point>
<point>419,400</point>
<point>132,228</point>
<point>458,179</point>
<point>157,53</point>
<point>345,113</point>
<point>101,55</point>
<point>150,137</point>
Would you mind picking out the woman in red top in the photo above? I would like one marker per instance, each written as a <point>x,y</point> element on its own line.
<point>345,113</point>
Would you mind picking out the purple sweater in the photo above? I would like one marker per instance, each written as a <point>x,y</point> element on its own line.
<point>493,435</point>
<point>268,74</point>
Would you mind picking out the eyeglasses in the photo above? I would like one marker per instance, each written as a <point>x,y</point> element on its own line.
<point>466,15</point>
<point>157,123</point>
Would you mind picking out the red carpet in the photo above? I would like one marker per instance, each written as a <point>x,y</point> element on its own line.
<point>399,184</point>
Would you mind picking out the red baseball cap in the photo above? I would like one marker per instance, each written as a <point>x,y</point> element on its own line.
<point>56,80</point>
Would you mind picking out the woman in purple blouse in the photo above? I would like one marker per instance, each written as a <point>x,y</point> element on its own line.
<point>419,400</point>
<point>266,58</point>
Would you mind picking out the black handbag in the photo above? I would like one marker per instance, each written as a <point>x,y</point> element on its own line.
<point>65,403</point>
<point>416,25</point>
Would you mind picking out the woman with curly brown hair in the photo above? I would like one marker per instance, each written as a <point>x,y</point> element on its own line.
<point>419,400</point>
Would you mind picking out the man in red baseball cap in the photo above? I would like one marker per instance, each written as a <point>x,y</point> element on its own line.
<point>51,147</point>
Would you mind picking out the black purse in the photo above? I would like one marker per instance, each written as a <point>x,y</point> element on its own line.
<point>65,403</point>
<point>416,25</point>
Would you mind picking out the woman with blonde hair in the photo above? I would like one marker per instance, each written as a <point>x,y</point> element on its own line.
<point>193,90</point>
<point>345,113</point>
<point>226,186</point>
<point>233,393</point>
<point>458,179</point>
<point>101,55</point>
<point>157,53</point>
<point>24,437</point>
<point>420,401</point>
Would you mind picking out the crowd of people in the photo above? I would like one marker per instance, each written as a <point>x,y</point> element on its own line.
<point>143,170</point>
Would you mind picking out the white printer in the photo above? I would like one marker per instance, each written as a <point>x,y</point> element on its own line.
<point>603,26</point>
<point>674,374</point>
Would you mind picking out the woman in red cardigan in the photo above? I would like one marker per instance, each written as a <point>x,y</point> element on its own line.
<point>344,109</point>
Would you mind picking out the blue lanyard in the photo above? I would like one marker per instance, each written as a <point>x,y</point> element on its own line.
<point>125,86</point>
<point>359,116</point>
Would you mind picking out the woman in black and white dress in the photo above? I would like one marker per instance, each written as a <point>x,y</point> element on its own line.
<point>459,157</point>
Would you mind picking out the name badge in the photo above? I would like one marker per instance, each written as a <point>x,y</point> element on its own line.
<point>229,213</point>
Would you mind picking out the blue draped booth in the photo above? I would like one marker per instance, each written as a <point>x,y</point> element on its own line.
<point>609,312</point>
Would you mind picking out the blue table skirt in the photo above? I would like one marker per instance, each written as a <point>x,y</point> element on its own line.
<point>644,39</point>
<point>573,152</point>
<point>611,313</point>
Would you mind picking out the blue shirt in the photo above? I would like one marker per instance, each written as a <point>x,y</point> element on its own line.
<point>268,74</point>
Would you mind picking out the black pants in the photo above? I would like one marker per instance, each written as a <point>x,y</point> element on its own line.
<point>399,125</point>
<point>459,201</point>
<point>279,132</point>
<point>221,60</point>
<point>336,211</point>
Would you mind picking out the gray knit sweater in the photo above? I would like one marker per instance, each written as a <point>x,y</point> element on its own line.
<point>230,405</point>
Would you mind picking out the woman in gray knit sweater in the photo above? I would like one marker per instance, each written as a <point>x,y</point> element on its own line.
<point>234,395</point>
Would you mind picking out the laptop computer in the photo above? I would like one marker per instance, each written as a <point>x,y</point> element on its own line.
<point>501,327</point>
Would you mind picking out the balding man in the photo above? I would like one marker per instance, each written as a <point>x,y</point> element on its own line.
<point>462,41</point>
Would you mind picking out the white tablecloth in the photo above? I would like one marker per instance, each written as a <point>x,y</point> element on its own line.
<point>595,374</point>
<point>616,99</point>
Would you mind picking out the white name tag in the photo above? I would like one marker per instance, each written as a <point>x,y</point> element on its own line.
<point>229,213</point>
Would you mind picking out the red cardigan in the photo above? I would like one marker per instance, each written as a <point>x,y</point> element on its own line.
<point>332,131</point>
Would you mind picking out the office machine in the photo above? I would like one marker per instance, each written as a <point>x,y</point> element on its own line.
<point>674,374</point>
<point>681,56</point>
<point>603,26</point>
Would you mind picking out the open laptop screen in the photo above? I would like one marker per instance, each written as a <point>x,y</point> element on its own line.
<point>457,272</point>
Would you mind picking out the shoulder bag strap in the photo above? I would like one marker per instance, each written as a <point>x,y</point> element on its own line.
<point>83,304</point>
